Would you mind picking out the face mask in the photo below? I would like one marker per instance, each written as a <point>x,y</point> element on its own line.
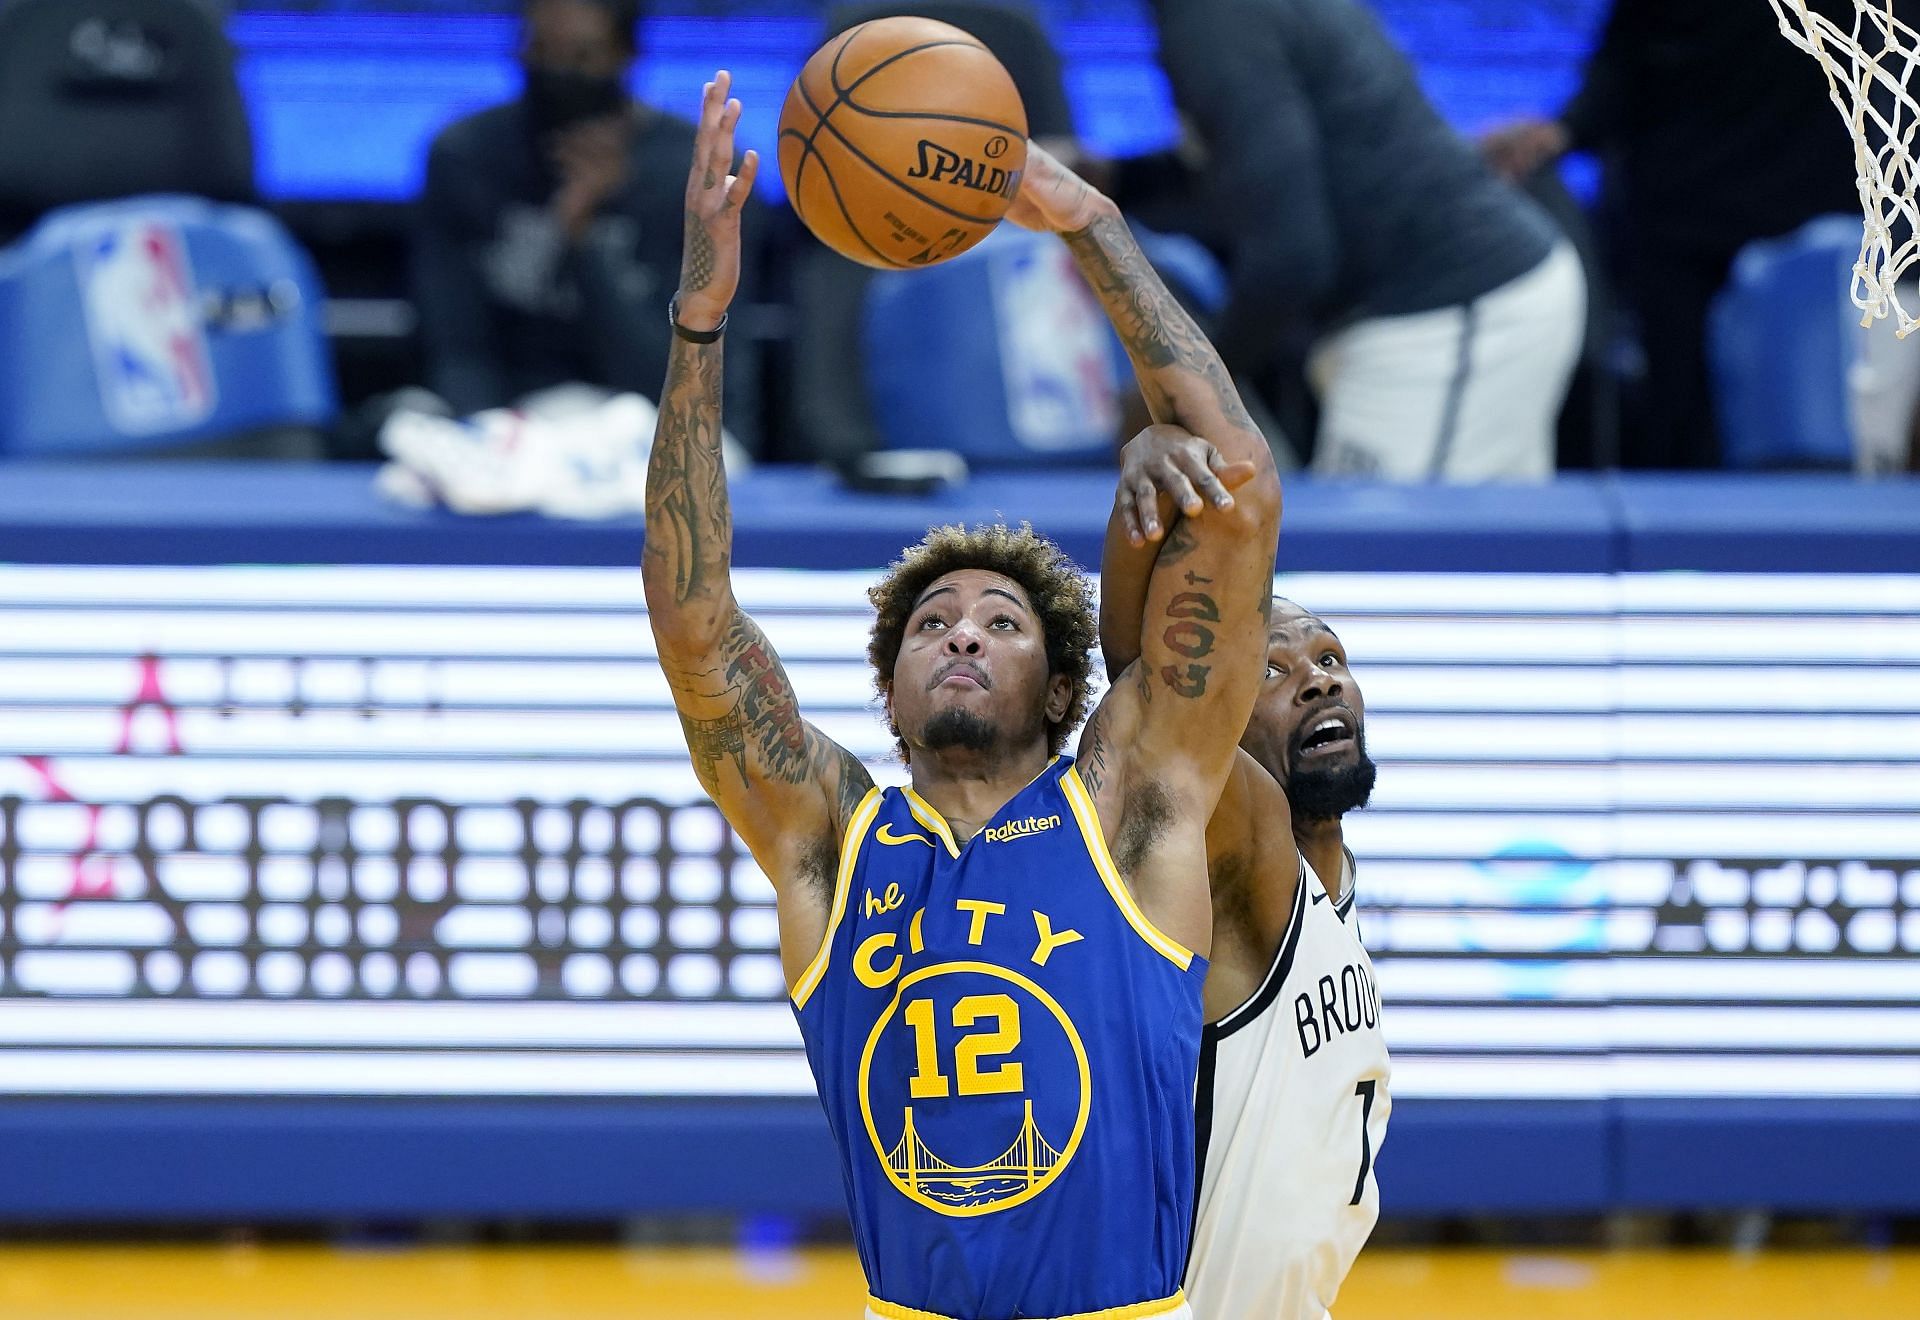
<point>559,98</point>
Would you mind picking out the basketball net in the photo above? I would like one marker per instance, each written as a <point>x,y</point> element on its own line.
<point>1869,70</point>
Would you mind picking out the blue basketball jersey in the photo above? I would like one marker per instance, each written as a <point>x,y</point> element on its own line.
<point>1006,1049</point>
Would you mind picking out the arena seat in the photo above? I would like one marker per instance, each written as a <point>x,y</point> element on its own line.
<point>1004,356</point>
<point>1782,339</point>
<point>835,423</point>
<point>156,323</point>
<point>147,85</point>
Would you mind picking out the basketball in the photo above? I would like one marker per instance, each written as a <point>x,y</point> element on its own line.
<point>902,143</point>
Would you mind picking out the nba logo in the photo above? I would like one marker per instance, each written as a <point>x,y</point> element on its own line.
<point>1055,348</point>
<point>144,322</point>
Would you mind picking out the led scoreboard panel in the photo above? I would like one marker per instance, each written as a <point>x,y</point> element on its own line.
<point>331,831</point>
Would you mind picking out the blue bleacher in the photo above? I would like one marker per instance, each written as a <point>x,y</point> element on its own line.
<point>1782,338</point>
<point>157,322</point>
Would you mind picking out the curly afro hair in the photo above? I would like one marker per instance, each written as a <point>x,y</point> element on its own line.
<point>1061,596</point>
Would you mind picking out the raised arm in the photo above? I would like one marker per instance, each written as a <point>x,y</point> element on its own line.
<point>785,787</point>
<point>1159,748</point>
<point>1180,374</point>
<point>1168,473</point>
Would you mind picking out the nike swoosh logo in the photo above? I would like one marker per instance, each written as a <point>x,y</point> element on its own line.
<point>886,835</point>
<point>1319,894</point>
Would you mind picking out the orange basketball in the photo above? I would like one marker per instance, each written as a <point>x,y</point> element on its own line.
<point>902,142</point>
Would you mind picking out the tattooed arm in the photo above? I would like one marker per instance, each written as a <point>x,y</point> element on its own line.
<point>1160,748</point>
<point>1180,374</point>
<point>1165,472</point>
<point>785,787</point>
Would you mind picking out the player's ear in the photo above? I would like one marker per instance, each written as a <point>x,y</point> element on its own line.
<point>1059,698</point>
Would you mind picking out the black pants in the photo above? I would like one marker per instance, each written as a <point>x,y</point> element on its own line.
<point>1668,288</point>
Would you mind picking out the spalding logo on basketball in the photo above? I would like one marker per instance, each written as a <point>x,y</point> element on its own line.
<point>944,165</point>
<point>902,143</point>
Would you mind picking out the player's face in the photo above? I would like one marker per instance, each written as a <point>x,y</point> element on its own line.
<point>972,669</point>
<point>1309,723</point>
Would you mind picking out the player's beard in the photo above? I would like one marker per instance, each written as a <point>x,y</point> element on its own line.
<point>957,729</point>
<point>1328,792</point>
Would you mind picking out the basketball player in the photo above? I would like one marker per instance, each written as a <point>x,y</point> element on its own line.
<point>997,970</point>
<point>1292,1102</point>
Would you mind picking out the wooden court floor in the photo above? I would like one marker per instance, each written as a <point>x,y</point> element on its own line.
<point>564,1283</point>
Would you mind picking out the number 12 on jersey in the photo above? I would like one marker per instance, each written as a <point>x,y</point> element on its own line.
<point>928,1082</point>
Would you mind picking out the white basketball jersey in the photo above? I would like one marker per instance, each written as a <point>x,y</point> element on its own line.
<point>1291,1109</point>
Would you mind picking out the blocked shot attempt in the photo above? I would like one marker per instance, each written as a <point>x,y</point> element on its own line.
<point>997,969</point>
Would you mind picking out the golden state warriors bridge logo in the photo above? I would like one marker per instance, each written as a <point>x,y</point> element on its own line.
<point>975,1088</point>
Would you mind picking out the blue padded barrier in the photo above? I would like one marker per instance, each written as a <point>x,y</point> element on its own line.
<point>291,1159</point>
<point>1854,1156</point>
<point>1497,1157</point>
<point>1774,524</point>
<point>105,1160</point>
<point>77,1160</point>
<point>214,513</point>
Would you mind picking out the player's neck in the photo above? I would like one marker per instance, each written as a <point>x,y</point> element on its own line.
<point>968,788</point>
<point>1322,842</point>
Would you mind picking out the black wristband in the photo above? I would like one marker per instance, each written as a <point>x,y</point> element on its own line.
<point>693,336</point>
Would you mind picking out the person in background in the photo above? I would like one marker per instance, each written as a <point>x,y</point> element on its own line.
<point>1436,312</point>
<point>550,228</point>
<point>1715,132</point>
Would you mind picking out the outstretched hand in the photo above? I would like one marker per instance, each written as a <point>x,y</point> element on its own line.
<point>710,261</point>
<point>1170,461</point>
